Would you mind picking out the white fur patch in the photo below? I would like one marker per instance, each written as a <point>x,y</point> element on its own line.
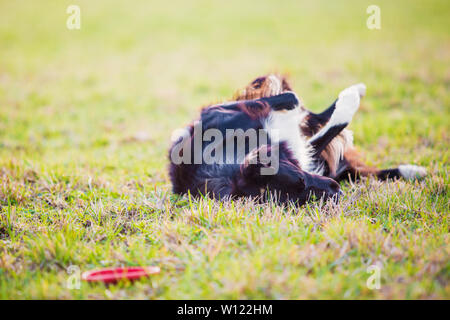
<point>276,84</point>
<point>411,171</point>
<point>284,126</point>
<point>360,87</point>
<point>346,106</point>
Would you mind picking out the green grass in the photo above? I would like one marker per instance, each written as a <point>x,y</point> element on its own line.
<point>85,123</point>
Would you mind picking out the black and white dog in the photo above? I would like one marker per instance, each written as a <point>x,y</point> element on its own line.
<point>293,155</point>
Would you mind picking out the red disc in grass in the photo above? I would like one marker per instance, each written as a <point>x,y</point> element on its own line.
<point>113,275</point>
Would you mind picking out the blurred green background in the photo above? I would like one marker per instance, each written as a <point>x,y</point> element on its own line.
<point>99,104</point>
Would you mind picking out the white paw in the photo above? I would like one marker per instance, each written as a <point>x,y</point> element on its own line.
<point>346,106</point>
<point>360,87</point>
<point>411,171</point>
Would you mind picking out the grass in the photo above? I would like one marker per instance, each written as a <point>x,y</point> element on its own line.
<point>85,123</point>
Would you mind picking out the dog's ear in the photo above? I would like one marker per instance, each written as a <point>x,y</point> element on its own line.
<point>284,101</point>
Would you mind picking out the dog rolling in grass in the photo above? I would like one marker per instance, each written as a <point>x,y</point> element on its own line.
<point>333,154</point>
<point>266,145</point>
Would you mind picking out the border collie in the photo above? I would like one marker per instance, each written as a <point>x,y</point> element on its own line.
<point>296,154</point>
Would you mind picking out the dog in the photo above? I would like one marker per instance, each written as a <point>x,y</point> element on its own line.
<point>296,156</point>
<point>333,152</point>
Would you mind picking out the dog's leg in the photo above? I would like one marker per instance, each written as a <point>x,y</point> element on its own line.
<point>352,168</point>
<point>238,114</point>
<point>284,101</point>
<point>405,171</point>
<point>342,112</point>
<point>321,119</point>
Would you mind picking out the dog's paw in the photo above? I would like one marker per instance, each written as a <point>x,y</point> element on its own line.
<point>346,106</point>
<point>411,171</point>
<point>359,87</point>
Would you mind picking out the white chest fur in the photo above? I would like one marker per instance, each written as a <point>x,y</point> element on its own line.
<point>283,126</point>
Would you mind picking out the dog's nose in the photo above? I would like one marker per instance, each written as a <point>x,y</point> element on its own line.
<point>323,187</point>
<point>334,191</point>
<point>334,187</point>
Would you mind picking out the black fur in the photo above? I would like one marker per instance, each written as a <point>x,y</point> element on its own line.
<point>234,180</point>
<point>322,142</point>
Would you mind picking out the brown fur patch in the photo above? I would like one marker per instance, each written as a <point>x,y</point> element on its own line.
<point>334,153</point>
<point>262,87</point>
<point>356,165</point>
